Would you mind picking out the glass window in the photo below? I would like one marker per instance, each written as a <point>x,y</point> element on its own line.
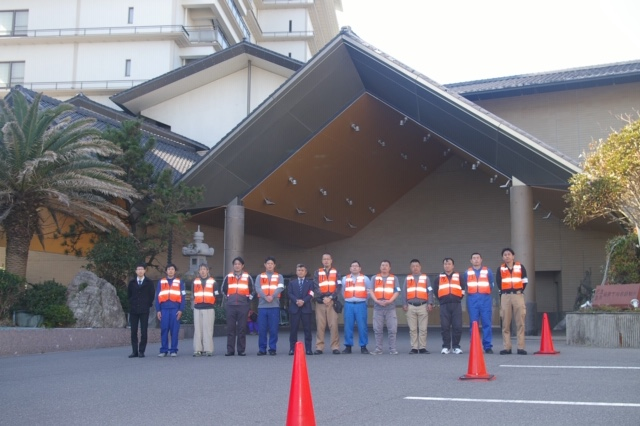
<point>130,16</point>
<point>127,68</point>
<point>13,23</point>
<point>11,73</point>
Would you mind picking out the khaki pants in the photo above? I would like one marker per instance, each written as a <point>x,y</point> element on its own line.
<point>512,305</point>
<point>326,316</point>
<point>203,320</point>
<point>418,321</point>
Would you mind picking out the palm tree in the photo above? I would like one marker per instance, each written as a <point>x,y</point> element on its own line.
<point>50,169</point>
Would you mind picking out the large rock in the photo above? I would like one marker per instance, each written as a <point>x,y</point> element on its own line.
<point>94,302</point>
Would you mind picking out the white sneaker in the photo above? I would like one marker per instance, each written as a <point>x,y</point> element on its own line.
<point>393,352</point>
<point>444,351</point>
<point>457,351</point>
<point>162,354</point>
<point>377,352</point>
<point>173,354</point>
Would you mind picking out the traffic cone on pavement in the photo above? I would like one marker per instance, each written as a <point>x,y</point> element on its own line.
<point>546,342</point>
<point>477,369</point>
<point>300,411</point>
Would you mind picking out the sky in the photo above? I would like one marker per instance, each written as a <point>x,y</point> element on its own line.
<point>465,40</point>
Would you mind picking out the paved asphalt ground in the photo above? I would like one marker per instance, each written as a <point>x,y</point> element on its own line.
<point>590,386</point>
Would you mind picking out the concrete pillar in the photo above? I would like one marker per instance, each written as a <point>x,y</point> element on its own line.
<point>233,234</point>
<point>523,243</point>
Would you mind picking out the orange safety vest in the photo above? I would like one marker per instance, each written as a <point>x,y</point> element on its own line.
<point>384,287</point>
<point>327,284</point>
<point>446,287</point>
<point>417,290</point>
<point>478,285</point>
<point>170,291</point>
<point>236,286</point>
<point>511,279</point>
<point>355,288</point>
<point>270,287</point>
<point>204,294</point>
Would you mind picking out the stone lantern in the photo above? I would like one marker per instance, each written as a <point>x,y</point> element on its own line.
<point>198,251</point>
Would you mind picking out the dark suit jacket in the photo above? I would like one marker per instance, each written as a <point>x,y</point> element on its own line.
<point>141,298</point>
<point>293,290</point>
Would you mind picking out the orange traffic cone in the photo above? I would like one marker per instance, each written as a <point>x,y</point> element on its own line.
<point>300,403</point>
<point>477,369</point>
<point>546,342</point>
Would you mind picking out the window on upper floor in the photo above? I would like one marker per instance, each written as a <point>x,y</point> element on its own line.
<point>11,74</point>
<point>127,68</point>
<point>130,16</point>
<point>13,23</point>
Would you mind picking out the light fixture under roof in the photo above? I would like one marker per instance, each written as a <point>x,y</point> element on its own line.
<point>446,152</point>
<point>403,121</point>
<point>300,211</point>
<point>426,138</point>
<point>326,219</point>
<point>323,192</point>
<point>423,167</point>
<point>547,216</point>
<point>351,225</point>
<point>293,181</point>
<point>493,179</point>
<point>475,165</point>
<point>404,156</point>
<point>372,210</point>
<point>507,184</point>
<point>355,127</point>
<point>349,201</point>
<point>536,206</point>
<point>381,142</point>
<point>269,202</point>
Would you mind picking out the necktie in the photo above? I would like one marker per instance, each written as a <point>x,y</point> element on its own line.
<point>139,282</point>
<point>300,284</point>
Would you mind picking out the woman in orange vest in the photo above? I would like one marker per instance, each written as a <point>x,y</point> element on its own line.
<point>205,291</point>
<point>450,291</point>
<point>237,287</point>
<point>169,305</point>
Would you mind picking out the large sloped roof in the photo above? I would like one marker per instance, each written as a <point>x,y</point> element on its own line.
<point>171,151</point>
<point>567,79</point>
<point>346,136</point>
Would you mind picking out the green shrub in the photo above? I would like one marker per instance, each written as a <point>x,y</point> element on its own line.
<point>123,295</point>
<point>58,316</point>
<point>624,266</point>
<point>221,315</point>
<point>38,297</point>
<point>187,315</point>
<point>11,287</point>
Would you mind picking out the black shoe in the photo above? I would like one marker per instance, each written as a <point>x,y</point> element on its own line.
<point>522,352</point>
<point>488,351</point>
<point>241,354</point>
<point>230,354</point>
<point>336,352</point>
<point>364,350</point>
<point>505,352</point>
<point>272,352</point>
<point>413,351</point>
<point>309,353</point>
<point>261,353</point>
<point>290,351</point>
<point>424,351</point>
<point>318,352</point>
<point>347,350</point>
<point>133,356</point>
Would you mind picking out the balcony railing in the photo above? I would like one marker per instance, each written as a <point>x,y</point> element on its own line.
<point>74,32</point>
<point>79,85</point>
<point>288,2</point>
<point>274,34</point>
<point>238,17</point>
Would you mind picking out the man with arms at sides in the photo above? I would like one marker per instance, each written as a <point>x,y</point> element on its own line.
<point>512,280</point>
<point>300,292</point>
<point>355,287</point>
<point>141,293</point>
<point>327,285</point>
<point>238,289</point>
<point>269,286</point>
<point>170,296</point>
<point>418,302</point>
<point>385,290</point>
<point>205,291</point>
<point>450,291</point>
<point>479,283</point>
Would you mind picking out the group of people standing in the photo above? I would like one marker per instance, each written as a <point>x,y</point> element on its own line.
<point>327,289</point>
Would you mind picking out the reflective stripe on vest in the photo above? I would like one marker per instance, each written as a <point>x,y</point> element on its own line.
<point>417,290</point>
<point>327,284</point>
<point>270,287</point>
<point>236,286</point>
<point>446,287</point>
<point>478,285</point>
<point>170,292</point>
<point>355,288</point>
<point>384,288</point>
<point>204,294</point>
<point>511,279</point>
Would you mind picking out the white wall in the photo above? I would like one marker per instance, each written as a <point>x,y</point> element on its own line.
<point>211,111</point>
<point>278,20</point>
<point>299,49</point>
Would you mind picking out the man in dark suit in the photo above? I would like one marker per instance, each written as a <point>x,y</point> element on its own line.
<point>300,291</point>
<point>141,293</point>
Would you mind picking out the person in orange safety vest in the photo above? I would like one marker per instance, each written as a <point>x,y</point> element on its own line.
<point>450,290</point>
<point>205,290</point>
<point>170,297</point>
<point>511,278</point>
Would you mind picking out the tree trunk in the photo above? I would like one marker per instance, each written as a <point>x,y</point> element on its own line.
<point>18,234</point>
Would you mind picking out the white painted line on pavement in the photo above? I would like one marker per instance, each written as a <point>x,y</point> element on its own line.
<point>593,367</point>
<point>521,401</point>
